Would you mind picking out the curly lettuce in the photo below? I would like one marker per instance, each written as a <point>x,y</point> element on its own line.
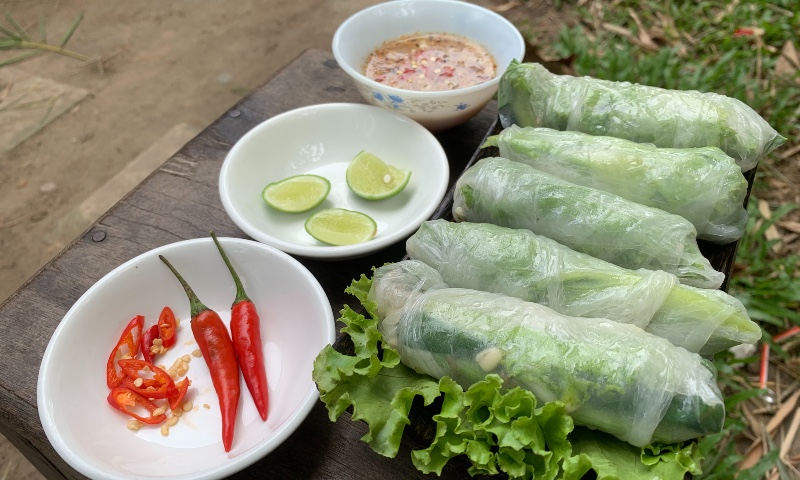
<point>500,431</point>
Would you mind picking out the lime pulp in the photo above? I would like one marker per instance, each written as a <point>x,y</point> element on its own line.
<point>338,226</point>
<point>371,178</point>
<point>298,193</point>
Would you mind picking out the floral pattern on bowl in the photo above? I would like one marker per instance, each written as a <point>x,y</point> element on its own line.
<point>409,105</point>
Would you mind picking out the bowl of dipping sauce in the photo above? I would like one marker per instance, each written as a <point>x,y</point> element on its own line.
<point>437,62</point>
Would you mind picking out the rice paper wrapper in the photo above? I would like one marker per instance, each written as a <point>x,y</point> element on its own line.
<point>703,185</point>
<point>612,377</point>
<point>530,96</point>
<point>519,263</point>
<point>512,194</point>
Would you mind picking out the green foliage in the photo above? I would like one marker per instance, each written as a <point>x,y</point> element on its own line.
<point>16,38</point>
<point>499,430</point>
<point>701,51</point>
<point>706,46</point>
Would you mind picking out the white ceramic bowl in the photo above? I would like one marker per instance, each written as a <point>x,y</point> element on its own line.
<point>323,139</point>
<point>363,32</point>
<point>297,322</point>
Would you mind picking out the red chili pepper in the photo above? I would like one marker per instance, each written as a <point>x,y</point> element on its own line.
<point>125,400</point>
<point>167,326</point>
<point>147,343</point>
<point>246,336</point>
<point>160,386</point>
<point>183,387</point>
<point>215,343</point>
<point>127,345</point>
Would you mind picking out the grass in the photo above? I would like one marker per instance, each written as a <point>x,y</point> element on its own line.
<point>14,37</point>
<point>732,48</point>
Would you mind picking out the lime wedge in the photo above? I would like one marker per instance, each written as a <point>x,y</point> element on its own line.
<point>296,194</point>
<point>337,226</point>
<point>371,178</point>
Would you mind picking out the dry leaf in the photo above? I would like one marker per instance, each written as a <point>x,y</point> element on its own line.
<point>771,233</point>
<point>728,10</point>
<point>506,6</point>
<point>789,438</point>
<point>764,210</point>
<point>787,63</point>
<point>645,39</point>
<point>618,30</point>
<point>776,183</point>
<point>790,225</point>
<point>755,452</point>
<point>790,53</point>
<point>790,152</point>
<point>624,32</point>
<point>783,412</point>
<point>790,238</point>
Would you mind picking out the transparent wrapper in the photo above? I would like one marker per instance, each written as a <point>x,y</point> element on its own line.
<point>531,96</point>
<point>512,194</point>
<point>610,376</point>
<point>519,263</point>
<point>703,185</point>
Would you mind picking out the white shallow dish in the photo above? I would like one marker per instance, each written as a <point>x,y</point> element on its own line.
<point>296,323</point>
<point>323,139</point>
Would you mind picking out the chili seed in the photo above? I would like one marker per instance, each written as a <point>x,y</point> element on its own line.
<point>177,412</point>
<point>159,411</point>
<point>165,430</point>
<point>197,353</point>
<point>138,382</point>
<point>186,358</point>
<point>206,406</point>
<point>187,406</point>
<point>134,425</point>
<point>158,342</point>
<point>172,421</point>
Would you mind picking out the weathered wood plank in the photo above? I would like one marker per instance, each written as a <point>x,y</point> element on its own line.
<point>180,201</point>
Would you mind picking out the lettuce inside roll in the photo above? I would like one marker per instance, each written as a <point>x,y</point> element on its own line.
<point>512,194</point>
<point>530,96</point>
<point>610,376</point>
<point>703,185</point>
<point>519,263</point>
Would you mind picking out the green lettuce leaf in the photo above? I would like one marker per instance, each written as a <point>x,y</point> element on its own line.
<point>380,390</point>
<point>499,430</point>
<point>612,459</point>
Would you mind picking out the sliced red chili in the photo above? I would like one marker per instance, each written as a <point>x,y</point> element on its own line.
<point>147,343</point>
<point>125,400</point>
<point>127,346</point>
<point>159,386</point>
<point>167,327</point>
<point>183,386</point>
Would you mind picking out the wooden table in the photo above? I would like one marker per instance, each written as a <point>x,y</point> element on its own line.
<point>181,201</point>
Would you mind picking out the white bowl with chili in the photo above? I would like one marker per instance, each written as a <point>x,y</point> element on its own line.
<point>437,62</point>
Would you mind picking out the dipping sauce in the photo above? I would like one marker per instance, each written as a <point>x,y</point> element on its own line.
<point>430,62</point>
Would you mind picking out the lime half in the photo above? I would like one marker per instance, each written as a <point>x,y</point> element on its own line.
<point>296,194</point>
<point>371,178</point>
<point>337,226</point>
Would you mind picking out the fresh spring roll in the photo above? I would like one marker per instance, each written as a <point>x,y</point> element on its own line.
<point>531,96</point>
<point>610,376</point>
<point>521,264</point>
<point>703,185</point>
<point>512,194</point>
